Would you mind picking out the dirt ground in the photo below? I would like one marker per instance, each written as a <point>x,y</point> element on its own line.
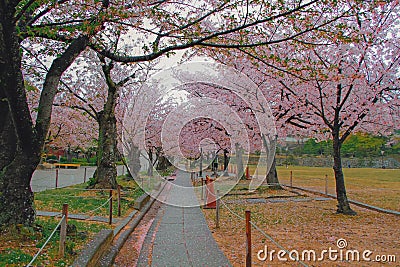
<point>303,226</point>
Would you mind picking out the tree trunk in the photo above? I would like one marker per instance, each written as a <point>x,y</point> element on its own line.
<point>106,173</point>
<point>16,130</point>
<point>107,151</point>
<point>163,163</point>
<point>8,138</point>
<point>68,154</point>
<point>20,149</point>
<point>16,196</point>
<point>272,177</point>
<point>239,161</point>
<point>150,167</point>
<point>226,162</point>
<point>134,161</point>
<point>343,203</point>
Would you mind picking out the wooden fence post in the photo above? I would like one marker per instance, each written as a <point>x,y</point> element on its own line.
<point>119,200</point>
<point>248,239</point>
<point>291,178</point>
<point>110,221</point>
<point>63,231</point>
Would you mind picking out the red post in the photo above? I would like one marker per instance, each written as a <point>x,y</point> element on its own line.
<point>248,239</point>
<point>119,200</point>
<point>110,221</point>
<point>56,178</point>
<point>210,194</point>
<point>247,173</point>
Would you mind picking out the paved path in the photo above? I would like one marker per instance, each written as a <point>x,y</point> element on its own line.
<point>46,179</point>
<point>179,235</point>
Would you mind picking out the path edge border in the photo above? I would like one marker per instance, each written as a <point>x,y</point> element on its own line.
<point>112,247</point>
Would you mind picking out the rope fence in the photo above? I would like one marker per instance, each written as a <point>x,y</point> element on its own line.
<point>324,184</point>
<point>91,213</point>
<point>63,232</point>
<point>261,232</point>
<point>66,196</point>
<point>248,231</point>
<point>87,215</point>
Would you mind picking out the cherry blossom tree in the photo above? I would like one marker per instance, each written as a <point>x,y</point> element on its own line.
<point>61,30</point>
<point>68,128</point>
<point>346,81</point>
<point>71,128</point>
<point>101,88</point>
<point>209,110</point>
<point>215,131</point>
<point>22,138</point>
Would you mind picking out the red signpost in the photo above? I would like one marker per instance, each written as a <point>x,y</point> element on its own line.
<point>210,194</point>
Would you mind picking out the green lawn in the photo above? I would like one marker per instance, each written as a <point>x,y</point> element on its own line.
<point>379,187</point>
<point>19,244</point>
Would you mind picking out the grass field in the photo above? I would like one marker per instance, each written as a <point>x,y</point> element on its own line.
<point>82,201</point>
<point>378,187</point>
<point>19,244</point>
